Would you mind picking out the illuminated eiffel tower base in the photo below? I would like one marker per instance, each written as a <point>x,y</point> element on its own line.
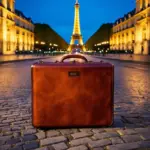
<point>76,36</point>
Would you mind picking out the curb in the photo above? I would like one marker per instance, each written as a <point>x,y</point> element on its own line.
<point>142,62</point>
<point>11,61</point>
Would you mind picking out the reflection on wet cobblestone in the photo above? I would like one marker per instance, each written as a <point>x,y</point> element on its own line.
<point>14,81</point>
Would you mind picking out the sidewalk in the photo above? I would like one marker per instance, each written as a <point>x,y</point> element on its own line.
<point>127,57</point>
<point>15,58</point>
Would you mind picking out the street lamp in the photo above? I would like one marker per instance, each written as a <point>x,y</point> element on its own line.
<point>42,43</point>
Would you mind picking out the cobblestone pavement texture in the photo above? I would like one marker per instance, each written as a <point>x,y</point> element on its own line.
<point>131,128</point>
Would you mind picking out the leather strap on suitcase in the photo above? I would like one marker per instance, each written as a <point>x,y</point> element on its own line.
<point>73,56</point>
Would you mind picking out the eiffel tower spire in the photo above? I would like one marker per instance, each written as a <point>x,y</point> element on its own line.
<point>76,36</point>
<point>77,2</point>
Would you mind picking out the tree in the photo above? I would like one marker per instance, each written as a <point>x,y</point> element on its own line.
<point>45,33</point>
<point>101,35</point>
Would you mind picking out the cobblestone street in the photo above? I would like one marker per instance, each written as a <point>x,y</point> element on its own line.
<point>131,128</point>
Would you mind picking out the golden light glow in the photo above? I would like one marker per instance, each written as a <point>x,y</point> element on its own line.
<point>134,32</point>
<point>43,43</point>
<point>37,42</point>
<point>76,31</point>
<point>13,36</point>
<point>55,45</point>
<point>102,43</point>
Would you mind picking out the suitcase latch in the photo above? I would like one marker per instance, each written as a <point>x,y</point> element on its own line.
<point>74,73</point>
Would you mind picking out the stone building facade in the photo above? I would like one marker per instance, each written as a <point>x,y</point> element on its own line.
<point>132,32</point>
<point>16,30</point>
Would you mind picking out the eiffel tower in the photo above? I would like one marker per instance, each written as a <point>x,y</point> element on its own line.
<point>76,36</point>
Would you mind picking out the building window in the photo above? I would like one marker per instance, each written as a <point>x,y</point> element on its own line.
<point>144,34</point>
<point>23,46</point>
<point>17,46</point>
<point>8,5</point>
<point>143,4</point>
<point>8,46</point>
<point>132,37</point>
<point>17,32</point>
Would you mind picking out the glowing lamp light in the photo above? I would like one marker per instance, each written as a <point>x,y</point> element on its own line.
<point>37,42</point>
<point>102,43</point>
<point>43,43</point>
<point>55,45</point>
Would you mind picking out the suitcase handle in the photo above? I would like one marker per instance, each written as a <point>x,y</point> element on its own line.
<point>73,56</point>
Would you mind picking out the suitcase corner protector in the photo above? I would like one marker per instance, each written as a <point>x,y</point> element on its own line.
<point>32,66</point>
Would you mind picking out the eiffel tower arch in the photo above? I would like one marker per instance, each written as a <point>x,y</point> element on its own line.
<point>76,36</point>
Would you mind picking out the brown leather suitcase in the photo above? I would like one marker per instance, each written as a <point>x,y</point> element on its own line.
<point>72,94</point>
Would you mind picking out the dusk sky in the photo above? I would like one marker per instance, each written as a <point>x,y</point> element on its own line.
<point>59,14</point>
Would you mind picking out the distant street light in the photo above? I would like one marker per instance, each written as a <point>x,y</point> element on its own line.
<point>43,43</point>
<point>55,45</point>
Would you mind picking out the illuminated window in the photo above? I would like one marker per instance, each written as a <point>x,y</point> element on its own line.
<point>144,34</point>
<point>132,37</point>
<point>17,46</point>
<point>143,3</point>
<point>17,32</point>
